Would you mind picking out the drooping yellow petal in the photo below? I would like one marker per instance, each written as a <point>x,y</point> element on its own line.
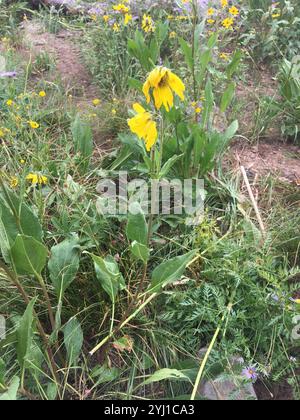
<point>138,108</point>
<point>151,135</point>
<point>163,83</point>
<point>176,85</point>
<point>143,126</point>
<point>146,90</point>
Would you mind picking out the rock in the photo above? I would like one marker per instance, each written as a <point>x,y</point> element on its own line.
<point>227,386</point>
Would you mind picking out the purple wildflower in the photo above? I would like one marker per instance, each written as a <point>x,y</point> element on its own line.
<point>8,74</point>
<point>250,373</point>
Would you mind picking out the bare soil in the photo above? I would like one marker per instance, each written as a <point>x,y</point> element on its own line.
<point>63,47</point>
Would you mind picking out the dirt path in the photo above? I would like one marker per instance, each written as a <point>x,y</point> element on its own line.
<point>70,69</point>
<point>280,160</point>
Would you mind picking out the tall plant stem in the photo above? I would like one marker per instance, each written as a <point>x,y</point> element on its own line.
<point>15,281</point>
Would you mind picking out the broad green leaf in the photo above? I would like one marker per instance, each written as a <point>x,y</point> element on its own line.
<point>137,229</point>
<point>24,334</point>
<point>135,84</point>
<point>140,251</point>
<point>12,392</point>
<point>105,374</point>
<point>164,374</point>
<point>73,340</point>
<point>234,64</point>
<point>188,53</point>
<point>28,255</point>
<point>168,165</point>
<point>63,264</point>
<point>227,97</point>
<point>83,141</point>
<point>16,218</point>
<point>230,132</point>
<point>170,271</point>
<point>2,372</point>
<point>109,276</point>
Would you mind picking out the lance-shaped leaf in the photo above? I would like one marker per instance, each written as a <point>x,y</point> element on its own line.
<point>137,229</point>
<point>73,340</point>
<point>109,276</point>
<point>28,255</point>
<point>170,271</point>
<point>11,393</point>
<point>140,251</point>
<point>24,334</point>
<point>16,218</point>
<point>64,264</point>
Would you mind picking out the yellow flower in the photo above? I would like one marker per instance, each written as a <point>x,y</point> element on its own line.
<point>114,112</point>
<point>225,56</point>
<point>96,102</point>
<point>224,3</point>
<point>234,11</point>
<point>14,182</point>
<point>164,83</point>
<point>228,23</point>
<point>297,301</point>
<point>106,18</point>
<point>33,124</point>
<point>9,102</point>
<point>172,35</point>
<point>37,179</point>
<point>211,11</point>
<point>42,94</point>
<point>147,24</point>
<point>116,27</point>
<point>22,161</point>
<point>121,8</point>
<point>143,126</point>
<point>276,15</point>
<point>127,19</point>
<point>198,110</point>
<point>211,21</point>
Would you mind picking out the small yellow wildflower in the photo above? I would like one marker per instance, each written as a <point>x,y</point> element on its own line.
<point>106,18</point>
<point>37,179</point>
<point>276,15</point>
<point>164,83</point>
<point>33,124</point>
<point>234,11</point>
<point>225,56</point>
<point>211,11</point>
<point>14,182</point>
<point>211,21</point>
<point>198,110</point>
<point>127,19</point>
<point>143,126</point>
<point>121,8</point>
<point>42,94</point>
<point>228,23</point>
<point>9,102</point>
<point>116,27</point>
<point>224,3</point>
<point>22,161</point>
<point>147,24</point>
<point>96,102</point>
<point>172,35</point>
<point>114,112</point>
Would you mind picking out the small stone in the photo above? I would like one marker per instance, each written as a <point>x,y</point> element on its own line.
<point>227,386</point>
